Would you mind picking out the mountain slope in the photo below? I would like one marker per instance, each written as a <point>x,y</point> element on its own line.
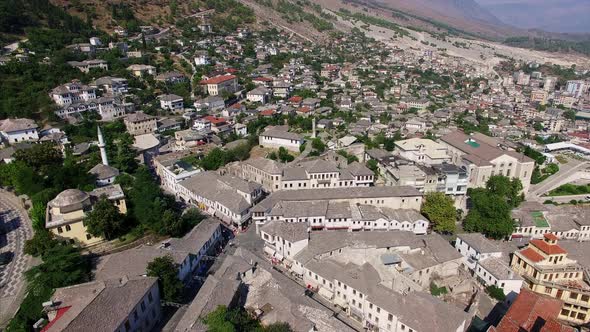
<point>551,15</point>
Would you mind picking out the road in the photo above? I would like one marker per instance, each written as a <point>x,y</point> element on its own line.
<point>566,199</point>
<point>16,230</point>
<point>565,171</point>
<point>305,152</point>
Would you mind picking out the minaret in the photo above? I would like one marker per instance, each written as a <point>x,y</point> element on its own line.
<point>102,147</point>
<point>313,128</point>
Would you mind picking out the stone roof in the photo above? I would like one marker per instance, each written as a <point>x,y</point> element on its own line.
<point>99,305</point>
<point>138,117</point>
<point>68,198</point>
<point>479,151</point>
<point>12,125</point>
<point>480,243</point>
<point>336,194</point>
<point>104,172</point>
<point>292,232</point>
<point>281,133</point>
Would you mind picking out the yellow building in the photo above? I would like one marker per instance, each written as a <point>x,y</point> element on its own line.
<point>66,212</point>
<point>547,270</point>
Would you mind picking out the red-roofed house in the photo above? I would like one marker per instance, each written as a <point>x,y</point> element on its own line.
<point>303,111</point>
<point>295,100</point>
<point>216,85</point>
<point>547,270</point>
<point>532,312</point>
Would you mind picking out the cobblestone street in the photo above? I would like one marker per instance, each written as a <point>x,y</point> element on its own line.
<point>16,229</point>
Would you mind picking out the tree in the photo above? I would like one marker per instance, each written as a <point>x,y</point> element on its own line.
<point>439,209</point>
<point>318,145</point>
<point>506,187</point>
<point>104,220</point>
<point>373,166</point>
<point>489,214</point>
<point>284,155</point>
<point>496,292</point>
<point>166,270</point>
<point>41,242</point>
<point>570,115</point>
<point>40,156</point>
<point>214,159</point>
<point>223,319</point>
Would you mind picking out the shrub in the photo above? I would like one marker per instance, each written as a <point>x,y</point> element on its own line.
<point>496,292</point>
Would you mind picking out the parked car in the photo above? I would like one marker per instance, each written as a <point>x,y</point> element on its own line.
<point>6,257</point>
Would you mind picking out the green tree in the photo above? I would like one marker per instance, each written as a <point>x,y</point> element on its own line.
<point>505,187</point>
<point>166,270</point>
<point>496,292</point>
<point>440,210</point>
<point>40,243</point>
<point>570,115</point>
<point>40,156</point>
<point>489,214</point>
<point>104,220</point>
<point>318,145</point>
<point>215,159</point>
<point>284,155</point>
<point>373,166</point>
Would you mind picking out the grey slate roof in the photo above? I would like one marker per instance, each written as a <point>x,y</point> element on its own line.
<point>480,243</point>
<point>103,172</point>
<point>99,305</point>
<point>292,232</point>
<point>335,194</point>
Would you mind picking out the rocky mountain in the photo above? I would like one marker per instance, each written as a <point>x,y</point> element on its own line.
<point>569,16</point>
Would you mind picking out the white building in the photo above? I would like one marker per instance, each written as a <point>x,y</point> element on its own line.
<point>376,278</point>
<point>276,137</point>
<point>114,85</point>
<point>142,70</point>
<point>488,262</point>
<point>73,92</point>
<point>259,95</point>
<point>87,65</point>
<point>18,130</point>
<point>171,102</point>
<point>226,197</point>
<point>331,208</point>
<point>483,157</point>
<point>423,151</point>
<point>318,173</point>
<point>133,304</point>
<point>171,170</point>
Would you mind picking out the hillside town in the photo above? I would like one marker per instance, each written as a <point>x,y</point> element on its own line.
<point>220,176</point>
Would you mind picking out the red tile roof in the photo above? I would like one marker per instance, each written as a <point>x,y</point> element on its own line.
<point>532,255</point>
<point>231,70</point>
<point>58,315</point>
<point>295,99</point>
<point>532,312</point>
<point>214,120</point>
<point>218,79</point>
<point>304,109</point>
<point>262,79</point>
<point>549,249</point>
<point>267,112</point>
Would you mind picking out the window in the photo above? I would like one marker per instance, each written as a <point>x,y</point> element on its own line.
<point>573,295</point>
<point>390,317</point>
<point>142,306</point>
<point>88,236</point>
<point>150,297</point>
<point>59,230</point>
<point>68,228</point>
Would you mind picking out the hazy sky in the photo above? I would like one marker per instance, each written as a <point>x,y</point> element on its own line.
<point>552,15</point>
